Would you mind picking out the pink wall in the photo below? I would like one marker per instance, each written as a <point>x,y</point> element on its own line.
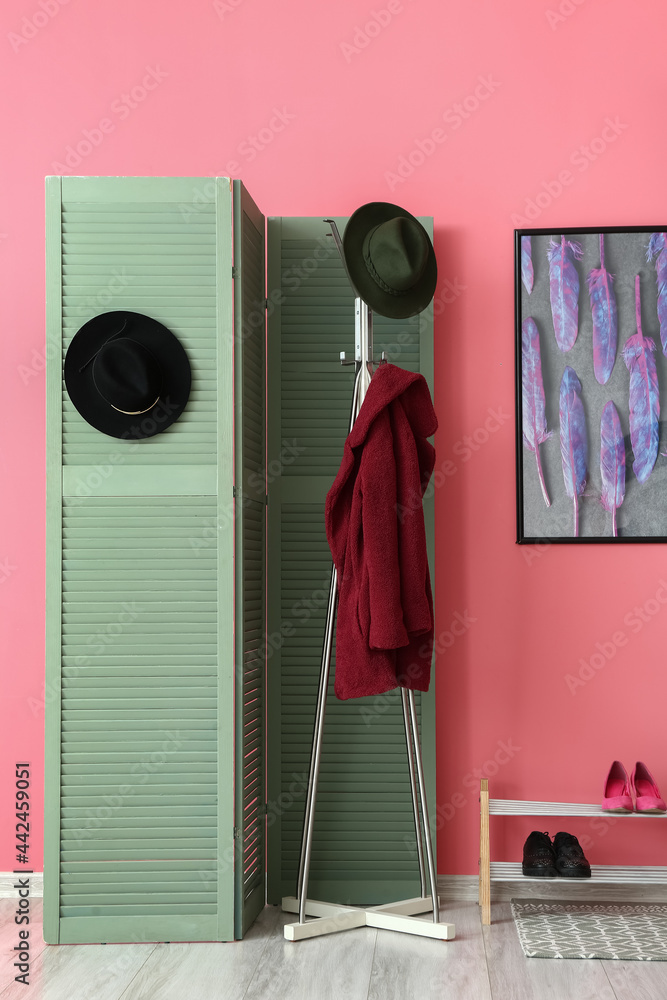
<point>539,81</point>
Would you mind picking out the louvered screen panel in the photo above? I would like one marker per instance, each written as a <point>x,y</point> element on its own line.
<point>250,870</point>
<point>155,258</point>
<point>139,714</point>
<point>363,850</point>
<point>317,323</point>
<point>250,348</point>
<point>139,811</point>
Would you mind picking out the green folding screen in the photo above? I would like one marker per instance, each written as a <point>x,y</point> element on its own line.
<point>167,766</point>
<point>364,839</point>
<point>154,825</point>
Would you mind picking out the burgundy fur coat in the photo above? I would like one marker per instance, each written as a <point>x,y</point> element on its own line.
<point>375,529</point>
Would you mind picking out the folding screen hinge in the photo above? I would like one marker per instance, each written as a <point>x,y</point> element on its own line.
<point>237,833</point>
<point>233,491</point>
<point>266,303</point>
<point>235,271</point>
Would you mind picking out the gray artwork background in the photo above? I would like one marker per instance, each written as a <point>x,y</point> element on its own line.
<point>644,509</point>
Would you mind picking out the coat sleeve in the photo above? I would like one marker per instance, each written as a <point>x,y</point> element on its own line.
<point>414,459</point>
<point>380,538</point>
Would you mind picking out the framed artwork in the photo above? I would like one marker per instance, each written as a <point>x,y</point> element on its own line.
<point>591,369</point>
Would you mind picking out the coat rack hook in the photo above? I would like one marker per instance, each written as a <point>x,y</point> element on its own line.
<point>339,244</point>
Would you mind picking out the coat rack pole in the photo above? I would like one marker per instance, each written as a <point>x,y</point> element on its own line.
<point>407,722</point>
<point>309,817</point>
<point>433,879</point>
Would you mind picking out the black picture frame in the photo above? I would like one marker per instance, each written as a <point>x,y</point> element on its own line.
<point>642,514</point>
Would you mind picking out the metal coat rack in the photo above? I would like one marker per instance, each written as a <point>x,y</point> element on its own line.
<point>403,915</point>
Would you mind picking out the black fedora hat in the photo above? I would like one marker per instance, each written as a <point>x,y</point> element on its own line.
<point>127,375</point>
<point>390,259</point>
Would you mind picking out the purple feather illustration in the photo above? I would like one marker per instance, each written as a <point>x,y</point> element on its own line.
<point>527,274</point>
<point>644,397</point>
<point>573,439</point>
<point>564,290</point>
<point>605,319</point>
<point>532,396</point>
<point>657,249</point>
<point>612,462</point>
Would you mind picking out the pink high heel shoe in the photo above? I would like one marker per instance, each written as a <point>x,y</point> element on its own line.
<point>617,797</point>
<point>647,796</point>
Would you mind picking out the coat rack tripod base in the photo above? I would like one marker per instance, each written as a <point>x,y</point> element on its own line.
<point>400,916</point>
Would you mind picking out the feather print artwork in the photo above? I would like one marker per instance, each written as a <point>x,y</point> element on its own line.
<point>564,290</point>
<point>612,462</point>
<point>527,274</point>
<point>573,439</point>
<point>605,319</point>
<point>644,397</point>
<point>656,248</point>
<point>532,397</point>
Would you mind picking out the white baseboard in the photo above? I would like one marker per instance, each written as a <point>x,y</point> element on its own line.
<point>466,887</point>
<point>8,880</point>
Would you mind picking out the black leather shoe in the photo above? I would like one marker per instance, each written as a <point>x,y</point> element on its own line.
<point>570,859</point>
<point>539,858</point>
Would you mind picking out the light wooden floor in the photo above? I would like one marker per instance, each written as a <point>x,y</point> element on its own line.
<point>364,964</point>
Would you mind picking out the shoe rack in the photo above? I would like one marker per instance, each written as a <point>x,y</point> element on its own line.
<point>510,871</point>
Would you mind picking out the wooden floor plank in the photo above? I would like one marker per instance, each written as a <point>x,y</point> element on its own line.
<point>637,980</point>
<point>513,975</point>
<point>207,971</point>
<point>74,971</point>
<point>364,964</point>
<point>326,968</point>
<point>407,966</point>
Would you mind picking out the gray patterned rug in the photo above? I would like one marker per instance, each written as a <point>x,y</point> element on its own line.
<point>564,929</point>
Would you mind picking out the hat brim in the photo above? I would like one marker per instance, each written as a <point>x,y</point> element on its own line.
<point>163,344</point>
<point>394,306</point>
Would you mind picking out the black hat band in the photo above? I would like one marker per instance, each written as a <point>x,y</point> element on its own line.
<point>375,276</point>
